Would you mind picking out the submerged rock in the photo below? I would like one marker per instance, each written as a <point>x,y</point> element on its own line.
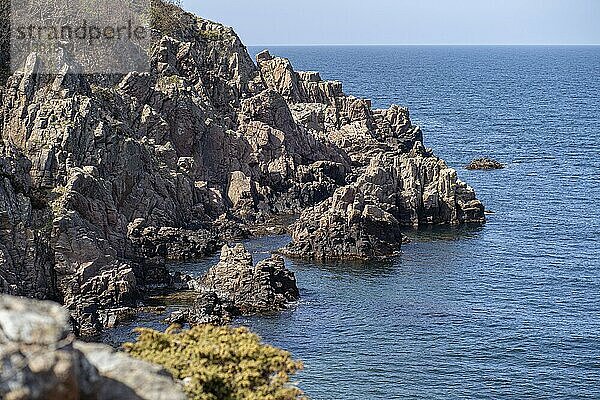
<point>483,164</point>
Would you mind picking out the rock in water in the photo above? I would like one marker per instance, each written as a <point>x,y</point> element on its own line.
<point>265,287</point>
<point>40,360</point>
<point>347,226</point>
<point>363,220</point>
<point>235,287</point>
<point>485,164</point>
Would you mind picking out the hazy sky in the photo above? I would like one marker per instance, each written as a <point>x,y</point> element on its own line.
<point>272,22</point>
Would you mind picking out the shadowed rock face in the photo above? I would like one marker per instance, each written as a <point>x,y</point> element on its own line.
<point>103,179</point>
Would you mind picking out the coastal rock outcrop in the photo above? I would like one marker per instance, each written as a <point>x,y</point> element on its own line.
<point>235,287</point>
<point>265,287</point>
<point>104,179</point>
<point>347,226</point>
<point>41,360</point>
<point>485,164</point>
<point>364,220</point>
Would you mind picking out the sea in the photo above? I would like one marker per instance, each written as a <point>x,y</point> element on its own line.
<point>508,310</point>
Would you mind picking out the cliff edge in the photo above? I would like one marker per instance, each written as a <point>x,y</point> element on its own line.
<point>103,179</point>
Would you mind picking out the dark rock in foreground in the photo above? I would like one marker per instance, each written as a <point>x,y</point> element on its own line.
<point>485,164</point>
<point>40,360</point>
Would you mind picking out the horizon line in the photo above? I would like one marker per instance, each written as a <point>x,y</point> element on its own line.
<point>432,45</point>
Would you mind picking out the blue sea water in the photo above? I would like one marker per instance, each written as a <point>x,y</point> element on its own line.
<point>509,310</point>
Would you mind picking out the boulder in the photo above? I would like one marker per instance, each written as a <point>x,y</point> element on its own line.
<point>123,377</point>
<point>265,287</point>
<point>41,360</point>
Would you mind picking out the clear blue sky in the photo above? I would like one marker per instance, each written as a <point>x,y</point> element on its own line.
<point>272,22</point>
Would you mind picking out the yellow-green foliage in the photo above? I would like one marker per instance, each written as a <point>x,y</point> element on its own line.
<point>212,34</point>
<point>165,16</point>
<point>220,362</point>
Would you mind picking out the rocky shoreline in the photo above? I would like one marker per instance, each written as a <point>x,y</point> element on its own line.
<point>103,181</point>
<point>236,287</point>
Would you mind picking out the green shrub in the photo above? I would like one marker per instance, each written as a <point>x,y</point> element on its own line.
<point>166,16</point>
<point>220,363</point>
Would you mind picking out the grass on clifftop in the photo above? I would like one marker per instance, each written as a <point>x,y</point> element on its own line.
<point>165,16</point>
<point>220,363</point>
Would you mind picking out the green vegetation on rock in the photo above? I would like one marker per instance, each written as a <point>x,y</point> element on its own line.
<point>212,34</point>
<point>165,16</point>
<point>220,362</point>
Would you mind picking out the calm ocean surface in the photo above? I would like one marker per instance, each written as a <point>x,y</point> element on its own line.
<point>510,310</point>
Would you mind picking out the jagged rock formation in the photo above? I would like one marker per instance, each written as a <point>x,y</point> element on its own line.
<point>235,287</point>
<point>484,164</point>
<point>26,259</point>
<point>40,360</point>
<point>265,287</point>
<point>364,219</point>
<point>171,243</point>
<point>104,178</point>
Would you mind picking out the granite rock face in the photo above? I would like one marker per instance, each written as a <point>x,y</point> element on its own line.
<point>104,179</point>
<point>394,181</point>
<point>236,287</point>
<point>40,360</point>
<point>26,257</point>
<point>364,220</point>
<point>265,287</point>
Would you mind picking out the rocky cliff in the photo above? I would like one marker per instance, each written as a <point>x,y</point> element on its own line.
<point>102,179</point>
